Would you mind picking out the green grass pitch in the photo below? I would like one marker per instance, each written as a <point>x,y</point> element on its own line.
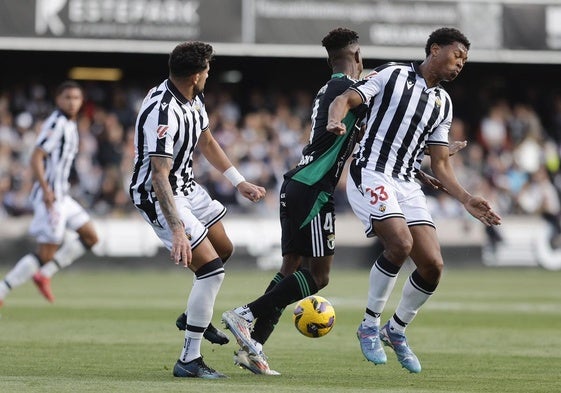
<point>485,330</point>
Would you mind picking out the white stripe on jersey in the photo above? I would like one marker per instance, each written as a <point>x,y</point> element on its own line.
<point>317,237</point>
<point>59,139</point>
<point>168,125</point>
<point>404,115</point>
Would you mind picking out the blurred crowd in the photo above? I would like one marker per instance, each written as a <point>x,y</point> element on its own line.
<point>511,157</point>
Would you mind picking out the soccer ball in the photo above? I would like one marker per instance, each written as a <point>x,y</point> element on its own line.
<point>314,316</point>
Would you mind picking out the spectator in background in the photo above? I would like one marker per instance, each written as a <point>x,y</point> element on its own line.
<point>539,196</point>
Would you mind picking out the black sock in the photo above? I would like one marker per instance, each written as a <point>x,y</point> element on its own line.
<point>292,288</point>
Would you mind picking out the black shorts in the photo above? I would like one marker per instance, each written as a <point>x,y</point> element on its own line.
<point>302,233</point>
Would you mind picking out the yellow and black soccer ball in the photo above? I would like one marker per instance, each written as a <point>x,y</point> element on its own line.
<point>314,316</point>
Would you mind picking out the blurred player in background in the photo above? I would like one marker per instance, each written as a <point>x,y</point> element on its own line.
<point>307,211</point>
<point>171,123</point>
<point>408,110</point>
<point>54,209</point>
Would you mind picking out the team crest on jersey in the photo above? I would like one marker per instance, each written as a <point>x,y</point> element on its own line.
<point>382,208</point>
<point>162,130</point>
<point>331,242</point>
<point>437,102</point>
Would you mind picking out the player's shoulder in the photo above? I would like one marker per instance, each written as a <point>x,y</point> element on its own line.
<point>339,83</point>
<point>392,66</point>
<point>54,120</point>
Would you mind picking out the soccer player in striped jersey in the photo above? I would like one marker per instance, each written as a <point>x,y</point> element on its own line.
<point>307,211</point>
<point>408,110</point>
<point>171,123</point>
<point>54,209</point>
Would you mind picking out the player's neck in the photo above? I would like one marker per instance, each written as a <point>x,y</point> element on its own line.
<point>184,86</point>
<point>431,78</point>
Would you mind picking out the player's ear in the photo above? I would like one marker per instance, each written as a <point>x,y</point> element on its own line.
<point>357,56</point>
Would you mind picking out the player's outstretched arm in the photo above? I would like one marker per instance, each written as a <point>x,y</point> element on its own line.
<point>477,206</point>
<point>339,108</point>
<point>218,159</point>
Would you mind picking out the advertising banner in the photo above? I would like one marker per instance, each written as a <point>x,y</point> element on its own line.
<point>499,30</point>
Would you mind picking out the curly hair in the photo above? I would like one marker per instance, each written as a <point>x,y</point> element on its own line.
<point>190,57</point>
<point>339,38</point>
<point>446,36</point>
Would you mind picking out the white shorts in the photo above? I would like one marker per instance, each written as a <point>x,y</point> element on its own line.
<point>198,211</point>
<point>379,196</point>
<point>48,226</point>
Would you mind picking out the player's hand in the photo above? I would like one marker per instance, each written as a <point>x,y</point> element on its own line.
<point>430,181</point>
<point>49,198</point>
<point>456,146</point>
<point>336,128</point>
<point>181,249</point>
<point>251,191</point>
<point>480,209</point>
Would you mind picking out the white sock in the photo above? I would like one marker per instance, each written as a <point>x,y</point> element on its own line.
<point>68,253</point>
<point>24,269</point>
<point>381,284</point>
<point>200,305</point>
<point>191,347</point>
<point>412,298</point>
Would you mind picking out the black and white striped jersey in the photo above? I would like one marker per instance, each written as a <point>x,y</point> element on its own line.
<point>404,116</point>
<point>59,139</point>
<point>168,125</point>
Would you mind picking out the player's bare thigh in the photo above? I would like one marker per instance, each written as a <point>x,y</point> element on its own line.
<point>220,241</point>
<point>202,254</point>
<point>396,238</point>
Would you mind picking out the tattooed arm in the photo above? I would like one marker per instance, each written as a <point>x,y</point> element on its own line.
<point>181,248</point>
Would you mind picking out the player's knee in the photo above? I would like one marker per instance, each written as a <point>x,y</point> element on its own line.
<point>89,239</point>
<point>321,281</point>
<point>399,249</point>
<point>431,271</point>
<point>226,254</point>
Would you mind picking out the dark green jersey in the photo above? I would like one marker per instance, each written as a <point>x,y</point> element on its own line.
<point>324,157</point>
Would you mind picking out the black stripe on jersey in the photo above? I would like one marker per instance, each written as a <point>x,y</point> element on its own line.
<point>386,99</point>
<point>390,64</point>
<point>178,160</point>
<point>190,133</point>
<point>419,110</point>
<point>140,152</point>
<point>51,179</point>
<point>424,135</point>
<point>156,93</point>
<point>163,119</point>
<point>51,126</point>
<point>397,119</point>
